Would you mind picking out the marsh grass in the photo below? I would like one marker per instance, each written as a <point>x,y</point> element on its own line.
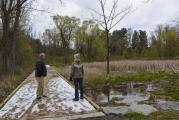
<point>126,66</point>
<point>135,66</point>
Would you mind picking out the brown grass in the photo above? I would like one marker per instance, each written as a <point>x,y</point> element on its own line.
<point>7,85</point>
<point>124,66</point>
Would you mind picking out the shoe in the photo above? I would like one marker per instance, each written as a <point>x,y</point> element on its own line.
<point>74,99</point>
<point>44,96</point>
<point>39,98</point>
<point>81,98</point>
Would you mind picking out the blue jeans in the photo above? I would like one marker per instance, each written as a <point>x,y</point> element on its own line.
<point>78,82</point>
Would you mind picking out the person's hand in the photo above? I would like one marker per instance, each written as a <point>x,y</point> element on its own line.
<point>71,79</point>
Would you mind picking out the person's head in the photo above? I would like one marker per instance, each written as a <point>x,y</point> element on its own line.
<point>77,57</point>
<point>42,56</point>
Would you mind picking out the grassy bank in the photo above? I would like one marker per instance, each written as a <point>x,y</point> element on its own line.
<point>95,79</point>
<point>7,86</point>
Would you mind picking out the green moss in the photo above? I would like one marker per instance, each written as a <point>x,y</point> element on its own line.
<point>135,116</point>
<point>152,97</point>
<point>162,115</point>
<point>96,79</point>
<point>175,96</point>
<point>171,96</point>
<point>115,99</point>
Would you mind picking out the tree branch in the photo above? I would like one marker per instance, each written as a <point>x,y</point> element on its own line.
<point>96,12</point>
<point>122,17</point>
<point>112,12</point>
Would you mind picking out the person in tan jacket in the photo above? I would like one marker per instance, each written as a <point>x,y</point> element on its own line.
<point>40,74</point>
<point>76,75</point>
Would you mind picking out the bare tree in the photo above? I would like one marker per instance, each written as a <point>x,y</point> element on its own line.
<point>11,12</point>
<point>109,19</point>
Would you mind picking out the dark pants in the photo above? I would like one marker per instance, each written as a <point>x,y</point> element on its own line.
<point>78,82</point>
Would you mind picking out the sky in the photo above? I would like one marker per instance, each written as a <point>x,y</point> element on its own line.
<point>144,15</point>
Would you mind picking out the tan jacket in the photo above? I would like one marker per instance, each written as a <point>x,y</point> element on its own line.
<point>77,70</point>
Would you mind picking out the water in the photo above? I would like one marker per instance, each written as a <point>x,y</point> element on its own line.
<point>131,94</point>
<point>168,105</point>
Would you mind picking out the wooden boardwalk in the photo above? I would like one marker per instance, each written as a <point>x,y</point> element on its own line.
<point>21,104</point>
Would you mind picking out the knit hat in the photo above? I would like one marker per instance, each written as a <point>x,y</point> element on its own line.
<point>77,57</point>
<point>42,56</point>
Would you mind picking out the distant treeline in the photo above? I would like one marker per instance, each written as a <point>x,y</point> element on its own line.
<point>69,36</point>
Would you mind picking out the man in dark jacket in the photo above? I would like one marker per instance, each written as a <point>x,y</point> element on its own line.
<point>40,73</point>
<point>77,74</point>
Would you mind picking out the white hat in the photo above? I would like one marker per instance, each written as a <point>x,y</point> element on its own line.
<point>77,57</point>
<point>42,56</point>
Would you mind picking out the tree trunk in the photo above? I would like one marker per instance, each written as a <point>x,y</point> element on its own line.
<point>10,34</point>
<point>108,50</point>
<point>5,44</point>
<point>1,70</point>
<point>64,45</point>
<point>65,55</point>
<point>15,37</point>
<point>89,49</point>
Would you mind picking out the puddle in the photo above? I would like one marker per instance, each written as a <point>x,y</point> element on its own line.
<point>168,105</point>
<point>132,94</point>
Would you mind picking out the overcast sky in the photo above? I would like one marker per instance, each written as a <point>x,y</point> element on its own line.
<point>145,16</point>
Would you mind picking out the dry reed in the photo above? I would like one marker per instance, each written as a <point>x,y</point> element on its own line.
<point>127,66</point>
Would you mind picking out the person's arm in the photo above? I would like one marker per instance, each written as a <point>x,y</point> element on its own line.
<point>82,70</point>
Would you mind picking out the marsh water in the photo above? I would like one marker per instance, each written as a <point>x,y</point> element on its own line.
<point>129,94</point>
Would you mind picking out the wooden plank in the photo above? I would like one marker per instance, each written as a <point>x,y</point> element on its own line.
<point>97,107</point>
<point>86,115</point>
<point>74,117</point>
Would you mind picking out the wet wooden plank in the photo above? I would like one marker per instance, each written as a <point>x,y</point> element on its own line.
<point>98,108</point>
<point>74,117</point>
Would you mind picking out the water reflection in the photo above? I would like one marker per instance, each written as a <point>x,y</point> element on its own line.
<point>130,94</point>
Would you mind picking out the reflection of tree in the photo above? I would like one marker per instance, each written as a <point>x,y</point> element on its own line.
<point>106,91</point>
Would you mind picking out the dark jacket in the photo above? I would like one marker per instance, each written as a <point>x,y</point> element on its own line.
<point>40,69</point>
